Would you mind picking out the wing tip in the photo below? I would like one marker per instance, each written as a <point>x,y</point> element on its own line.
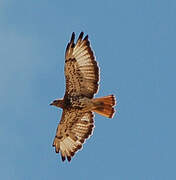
<point>86,38</point>
<point>81,35</point>
<point>63,158</point>
<point>79,38</point>
<point>69,158</point>
<point>72,37</point>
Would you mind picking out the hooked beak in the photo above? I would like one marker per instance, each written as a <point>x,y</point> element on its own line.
<point>51,104</point>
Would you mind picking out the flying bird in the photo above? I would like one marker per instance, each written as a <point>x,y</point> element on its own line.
<point>78,104</point>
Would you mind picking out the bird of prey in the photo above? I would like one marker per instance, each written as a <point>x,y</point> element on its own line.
<point>78,104</point>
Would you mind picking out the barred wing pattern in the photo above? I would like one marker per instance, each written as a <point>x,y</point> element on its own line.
<point>74,127</point>
<point>81,70</point>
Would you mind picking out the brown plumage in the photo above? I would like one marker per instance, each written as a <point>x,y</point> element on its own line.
<point>78,104</point>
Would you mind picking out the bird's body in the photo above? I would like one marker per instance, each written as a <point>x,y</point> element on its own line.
<point>83,103</point>
<point>78,104</point>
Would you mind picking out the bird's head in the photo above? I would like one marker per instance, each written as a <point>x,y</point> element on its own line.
<point>58,103</point>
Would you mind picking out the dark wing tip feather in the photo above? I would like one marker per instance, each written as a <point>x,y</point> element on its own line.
<point>86,38</point>
<point>68,158</point>
<point>70,44</point>
<point>63,158</point>
<point>81,35</point>
<point>72,38</point>
<point>57,149</point>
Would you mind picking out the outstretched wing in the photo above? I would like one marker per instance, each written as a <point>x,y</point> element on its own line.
<point>81,69</point>
<point>73,129</point>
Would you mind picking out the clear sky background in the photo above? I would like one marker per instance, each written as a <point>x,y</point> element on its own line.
<point>135,45</point>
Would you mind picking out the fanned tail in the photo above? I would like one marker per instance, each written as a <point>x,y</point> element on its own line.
<point>104,106</point>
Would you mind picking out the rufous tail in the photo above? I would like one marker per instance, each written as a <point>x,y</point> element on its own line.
<point>104,106</point>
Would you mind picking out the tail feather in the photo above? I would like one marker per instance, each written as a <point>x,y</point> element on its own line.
<point>104,106</point>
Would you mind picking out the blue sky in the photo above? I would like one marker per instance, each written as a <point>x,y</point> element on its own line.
<point>134,43</point>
